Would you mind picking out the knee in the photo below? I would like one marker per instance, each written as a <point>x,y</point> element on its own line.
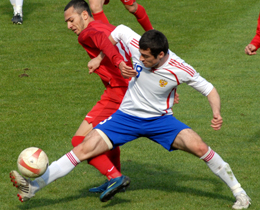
<point>201,149</point>
<point>132,8</point>
<point>197,146</point>
<point>95,6</point>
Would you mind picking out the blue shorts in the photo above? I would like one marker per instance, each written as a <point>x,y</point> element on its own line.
<point>122,128</point>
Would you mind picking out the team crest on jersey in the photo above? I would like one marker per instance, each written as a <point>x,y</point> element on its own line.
<point>163,83</point>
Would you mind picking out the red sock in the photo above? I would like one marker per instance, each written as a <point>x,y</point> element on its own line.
<point>100,16</point>
<point>143,18</point>
<point>114,157</point>
<point>105,166</point>
<point>76,140</point>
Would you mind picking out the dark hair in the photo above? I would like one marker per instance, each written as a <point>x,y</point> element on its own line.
<point>79,6</point>
<point>155,41</point>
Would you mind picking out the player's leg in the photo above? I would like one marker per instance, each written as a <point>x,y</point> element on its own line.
<point>114,157</point>
<point>189,141</point>
<point>115,184</point>
<point>80,134</point>
<point>139,12</point>
<point>18,11</point>
<point>13,2</point>
<point>120,128</point>
<point>108,105</point>
<point>19,7</point>
<point>96,7</point>
<point>108,163</point>
<point>91,147</point>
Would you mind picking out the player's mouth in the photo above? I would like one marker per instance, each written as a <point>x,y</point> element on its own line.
<point>145,64</point>
<point>74,30</point>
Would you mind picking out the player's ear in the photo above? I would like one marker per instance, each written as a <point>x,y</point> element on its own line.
<point>85,15</point>
<point>161,54</point>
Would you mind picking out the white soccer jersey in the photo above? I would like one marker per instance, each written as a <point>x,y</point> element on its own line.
<point>151,92</point>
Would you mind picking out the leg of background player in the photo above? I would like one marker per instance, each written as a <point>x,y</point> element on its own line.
<point>139,12</point>
<point>96,7</point>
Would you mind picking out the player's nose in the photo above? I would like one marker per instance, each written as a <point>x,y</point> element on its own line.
<point>69,25</point>
<point>141,58</point>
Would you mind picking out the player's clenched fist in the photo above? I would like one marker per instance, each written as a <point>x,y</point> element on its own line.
<point>216,122</point>
<point>127,71</point>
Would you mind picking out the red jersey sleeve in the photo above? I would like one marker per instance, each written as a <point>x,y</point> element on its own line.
<point>256,40</point>
<point>98,40</point>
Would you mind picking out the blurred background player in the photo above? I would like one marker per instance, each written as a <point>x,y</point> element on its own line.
<point>18,11</point>
<point>132,6</point>
<point>255,43</point>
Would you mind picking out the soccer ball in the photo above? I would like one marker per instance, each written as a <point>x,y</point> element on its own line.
<point>32,162</point>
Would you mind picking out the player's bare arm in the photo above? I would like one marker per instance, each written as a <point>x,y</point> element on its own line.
<point>214,101</point>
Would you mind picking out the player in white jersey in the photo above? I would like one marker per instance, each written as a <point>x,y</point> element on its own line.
<point>146,111</point>
<point>151,93</point>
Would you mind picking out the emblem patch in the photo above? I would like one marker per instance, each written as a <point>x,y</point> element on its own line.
<point>163,83</point>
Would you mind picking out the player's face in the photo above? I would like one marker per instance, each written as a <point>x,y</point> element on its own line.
<point>75,22</point>
<point>148,59</point>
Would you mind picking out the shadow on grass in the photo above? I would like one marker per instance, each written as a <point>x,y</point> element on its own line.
<point>151,177</point>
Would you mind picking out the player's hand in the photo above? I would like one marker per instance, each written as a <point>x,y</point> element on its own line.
<point>216,122</point>
<point>127,71</point>
<point>93,64</point>
<point>176,98</point>
<point>250,49</point>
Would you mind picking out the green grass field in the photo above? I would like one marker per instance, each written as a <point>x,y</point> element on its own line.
<point>46,92</point>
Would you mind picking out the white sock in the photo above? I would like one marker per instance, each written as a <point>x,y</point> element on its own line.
<point>19,2</point>
<point>13,2</point>
<point>56,170</point>
<point>222,170</point>
<point>17,6</point>
<point>19,9</point>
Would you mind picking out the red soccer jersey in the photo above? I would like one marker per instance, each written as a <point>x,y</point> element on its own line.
<point>256,40</point>
<point>94,39</point>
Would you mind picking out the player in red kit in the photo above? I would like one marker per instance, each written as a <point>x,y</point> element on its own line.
<point>91,35</point>
<point>131,5</point>
<point>255,43</point>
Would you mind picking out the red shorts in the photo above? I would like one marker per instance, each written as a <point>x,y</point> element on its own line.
<point>127,2</point>
<point>108,105</point>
